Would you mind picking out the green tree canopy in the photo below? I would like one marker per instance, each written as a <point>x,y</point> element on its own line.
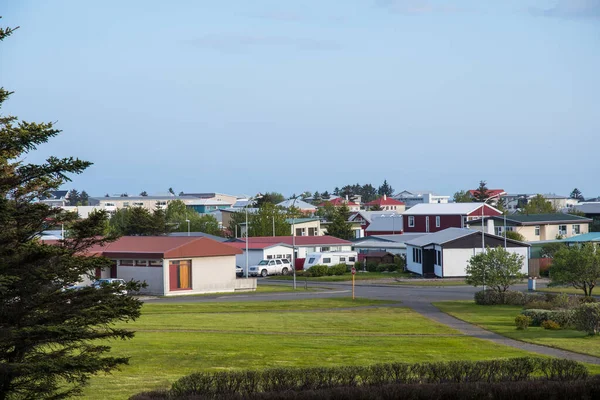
<point>576,194</point>
<point>51,340</point>
<point>496,268</point>
<point>138,221</point>
<point>576,266</point>
<point>339,226</point>
<point>267,217</point>
<point>178,213</point>
<point>514,236</point>
<point>538,205</point>
<point>270,197</point>
<point>386,189</point>
<point>482,193</point>
<point>462,196</point>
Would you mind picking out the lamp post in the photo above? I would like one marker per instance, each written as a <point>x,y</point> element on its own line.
<point>483,235</point>
<point>250,201</point>
<point>188,222</point>
<point>294,239</point>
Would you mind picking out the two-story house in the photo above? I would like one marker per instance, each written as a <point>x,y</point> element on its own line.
<point>437,217</point>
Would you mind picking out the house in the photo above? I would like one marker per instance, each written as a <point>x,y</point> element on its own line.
<point>395,244</point>
<point>515,202</point>
<point>113,203</point>
<point>366,217</point>
<point>592,237</point>
<point>204,206</point>
<point>385,203</point>
<point>199,234</point>
<point>219,197</point>
<point>437,217</point>
<point>339,202</point>
<point>493,194</point>
<point>302,244</point>
<point>56,198</point>
<point>447,253</point>
<point>378,257</point>
<point>303,206</point>
<point>414,197</point>
<point>385,225</point>
<point>305,226</point>
<point>258,251</point>
<point>536,227</point>
<point>591,210</point>
<point>173,265</point>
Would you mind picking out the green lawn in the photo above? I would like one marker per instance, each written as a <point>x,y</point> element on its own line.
<point>501,319</point>
<point>177,339</point>
<point>360,276</point>
<point>567,290</point>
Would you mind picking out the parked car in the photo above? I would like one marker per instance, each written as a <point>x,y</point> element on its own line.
<point>270,267</point>
<point>239,271</point>
<point>109,281</point>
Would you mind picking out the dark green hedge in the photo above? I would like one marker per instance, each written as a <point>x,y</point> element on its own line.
<point>246,383</point>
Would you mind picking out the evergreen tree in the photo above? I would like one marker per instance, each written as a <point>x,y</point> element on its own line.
<point>177,213</point>
<point>481,193</point>
<point>84,198</point>
<point>73,197</point>
<point>386,189</point>
<point>138,221</point>
<point>51,340</point>
<point>462,196</point>
<point>270,197</point>
<point>339,226</point>
<point>576,194</point>
<point>317,198</point>
<point>368,193</point>
<point>144,194</point>
<point>326,195</point>
<point>336,191</point>
<point>171,191</point>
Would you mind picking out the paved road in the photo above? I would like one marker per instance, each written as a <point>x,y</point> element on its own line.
<point>419,298</point>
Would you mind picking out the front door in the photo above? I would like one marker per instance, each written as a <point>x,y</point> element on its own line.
<point>428,262</point>
<point>113,270</point>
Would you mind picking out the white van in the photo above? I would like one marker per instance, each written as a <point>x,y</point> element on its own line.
<point>330,258</point>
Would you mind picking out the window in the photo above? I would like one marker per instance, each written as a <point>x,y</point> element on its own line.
<point>279,256</point>
<point>155,263</point>
<point>411,221</point>
<point>325,248</point>
<point>352,259</point>
<point>269,257</point>
<point>161,203</point>
<point>300,231</point>
<point>141,263</point>
<point>126,263</point>
<point>180,274</point>
<point>342,258</point>
<point>126,204</point>
<point>562,229</point>
<point>576,230</point>
<point>537,230</point>
<point>498,230</point>
<point>109,204</point>
<point>278,262</point>
<point>437,221</point>
<point>311,260</point>
<point>138,204</point>
<point>313,232</point>
<point>326,260</point>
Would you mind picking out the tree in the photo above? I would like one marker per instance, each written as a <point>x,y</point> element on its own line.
<point>550,249</point>
<point>73,197</point>
<point>576,194</point>
<point>144,194</point>
<point>336,191</point>
<point>386,189</point>
<point>107,195</point>
<point>84,198</point>
<point>501,205</point>
<point>482,193</point>
<point>270,197</point>
<point>171,191</point>
<point>339,226</point>
<point>51,340</point>
<point>326,195</point>
<point>138,221</point>
<point>576,266</point>
<point>514,236</point>
<point>538,205</point>
<point>375,207</point>
<point>124,195</point>
<point>177,215</point>
<point>496,268</point>
<point>305,195</point>
<point>261,222</point>
<point>235,220</point>
<point>368,193</point>
<point>462,196</point>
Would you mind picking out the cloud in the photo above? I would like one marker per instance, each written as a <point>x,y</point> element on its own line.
<point>416,7</point>
<point>570,9</point>
<point>237,42</point>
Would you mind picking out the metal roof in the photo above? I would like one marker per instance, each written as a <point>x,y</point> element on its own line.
<point>445,209</point>
<point>441,237</point>
<point>391,223</point>
<point>301,204</point>
<point>588,208</point>
<point>300,240</point>
<point>586,237</point>
<point>536,219</point>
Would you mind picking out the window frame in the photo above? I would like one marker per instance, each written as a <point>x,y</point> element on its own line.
<point>438,221</point>
<point>411,221</point>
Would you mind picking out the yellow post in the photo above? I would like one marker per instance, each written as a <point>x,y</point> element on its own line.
<point>352,286</point>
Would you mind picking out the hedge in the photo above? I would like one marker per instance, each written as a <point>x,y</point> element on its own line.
<point>565,318</point>
<point>250,383</point>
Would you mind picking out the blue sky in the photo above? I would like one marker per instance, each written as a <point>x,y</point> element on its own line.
<point>248,96</point>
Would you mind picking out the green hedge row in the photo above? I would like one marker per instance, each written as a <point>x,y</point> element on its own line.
<point>245,383</point>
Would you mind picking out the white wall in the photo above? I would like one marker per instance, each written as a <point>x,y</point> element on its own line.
<point>254,257</point>
<point>153,276</point>
<point>410,265</point>
<point>456,260</point>
<point>278,250</point>
<point>209,275</point>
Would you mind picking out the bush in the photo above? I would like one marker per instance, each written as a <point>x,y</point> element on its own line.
<point>372,266</point>
<point>522,322</point>
<point>537,316</point>
<point>400,261</point>
<point>588,299</point>
<point>564,317</point>
<point>386,268</point>
<point>339,269</point>
<point>539,305</point>
<point>318,270</point>
<point>551,325</point>
<point>587,318</point>
<point>491,298</point>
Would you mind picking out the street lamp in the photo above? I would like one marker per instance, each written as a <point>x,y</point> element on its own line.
<point>483,235</point>
<point>294,237</point>
<point>250,201</point>
<point>188,222</point>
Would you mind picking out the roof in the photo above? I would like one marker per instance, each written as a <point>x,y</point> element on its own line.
<point>491,192</point>
<point>301,204</point>
<point>586,237</point>
<point>385,201</point>
<point>445,209</point>
<point>300,240</point>
<point>399,238</point>
<point>370,215</point>
<point>164,247</point>
<point>207,202</point>
<point>338,202</point>
<point>130,198</point>
<point>257,246</point>
<point>392,223</point>
<point>449,235</point>
<point>199,234</point>
<point>588,208</point>
<point>301,220</point>
<point>536,219</point>
<point>378,254</point>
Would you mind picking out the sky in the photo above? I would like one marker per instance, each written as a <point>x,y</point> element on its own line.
<point>245,96</point>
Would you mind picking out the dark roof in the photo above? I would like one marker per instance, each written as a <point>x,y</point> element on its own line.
<point>588,208</point>
<point>378,254</point>
<point>451,234</point>
<point>536,219</point>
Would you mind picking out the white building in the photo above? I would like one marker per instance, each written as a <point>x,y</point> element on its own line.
<point>412,198</point>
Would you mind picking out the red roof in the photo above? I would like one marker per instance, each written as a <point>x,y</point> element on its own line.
<point>254,245</point>
<point>385,201</point>
<point>491,192</point>
<point>164,247</point>
<point>300,240</point>
<point>337,202</point>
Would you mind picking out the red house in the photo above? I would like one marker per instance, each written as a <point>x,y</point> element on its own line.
<point>338,202</point>
<point>387,204</point>
<point>437,217</point>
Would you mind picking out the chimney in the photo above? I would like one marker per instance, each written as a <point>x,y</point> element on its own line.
<point>346,198</point>
<point>384,196</point>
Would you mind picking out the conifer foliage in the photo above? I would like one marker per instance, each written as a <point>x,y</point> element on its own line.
<point>48,334</point>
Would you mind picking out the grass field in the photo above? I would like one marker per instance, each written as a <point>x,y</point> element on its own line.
<point>360,276</point>
<point>501,319</point>
<point>567,290</point>
<point>173,340</point>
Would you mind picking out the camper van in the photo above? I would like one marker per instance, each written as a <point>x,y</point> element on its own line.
<point>330,258</point>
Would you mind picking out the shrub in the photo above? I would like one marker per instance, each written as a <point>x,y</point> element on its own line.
<point>318,270</point>
<point>491,297</point>
<point>561,301</point>
<point>339,269</point>
<point>522,322</point>
<point>538,305</point>
<point>587,299</point>
<point>372,266</point>
<point>400,261</point>
<point>563,317</point>
<point>551,325</point>
<point>587,318</point>
<point>537,316</point>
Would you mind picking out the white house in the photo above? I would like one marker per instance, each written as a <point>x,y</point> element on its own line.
<point>261,251</point>
<point>447,253</point>
<point>414,197</point>
<point>302,244</point>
